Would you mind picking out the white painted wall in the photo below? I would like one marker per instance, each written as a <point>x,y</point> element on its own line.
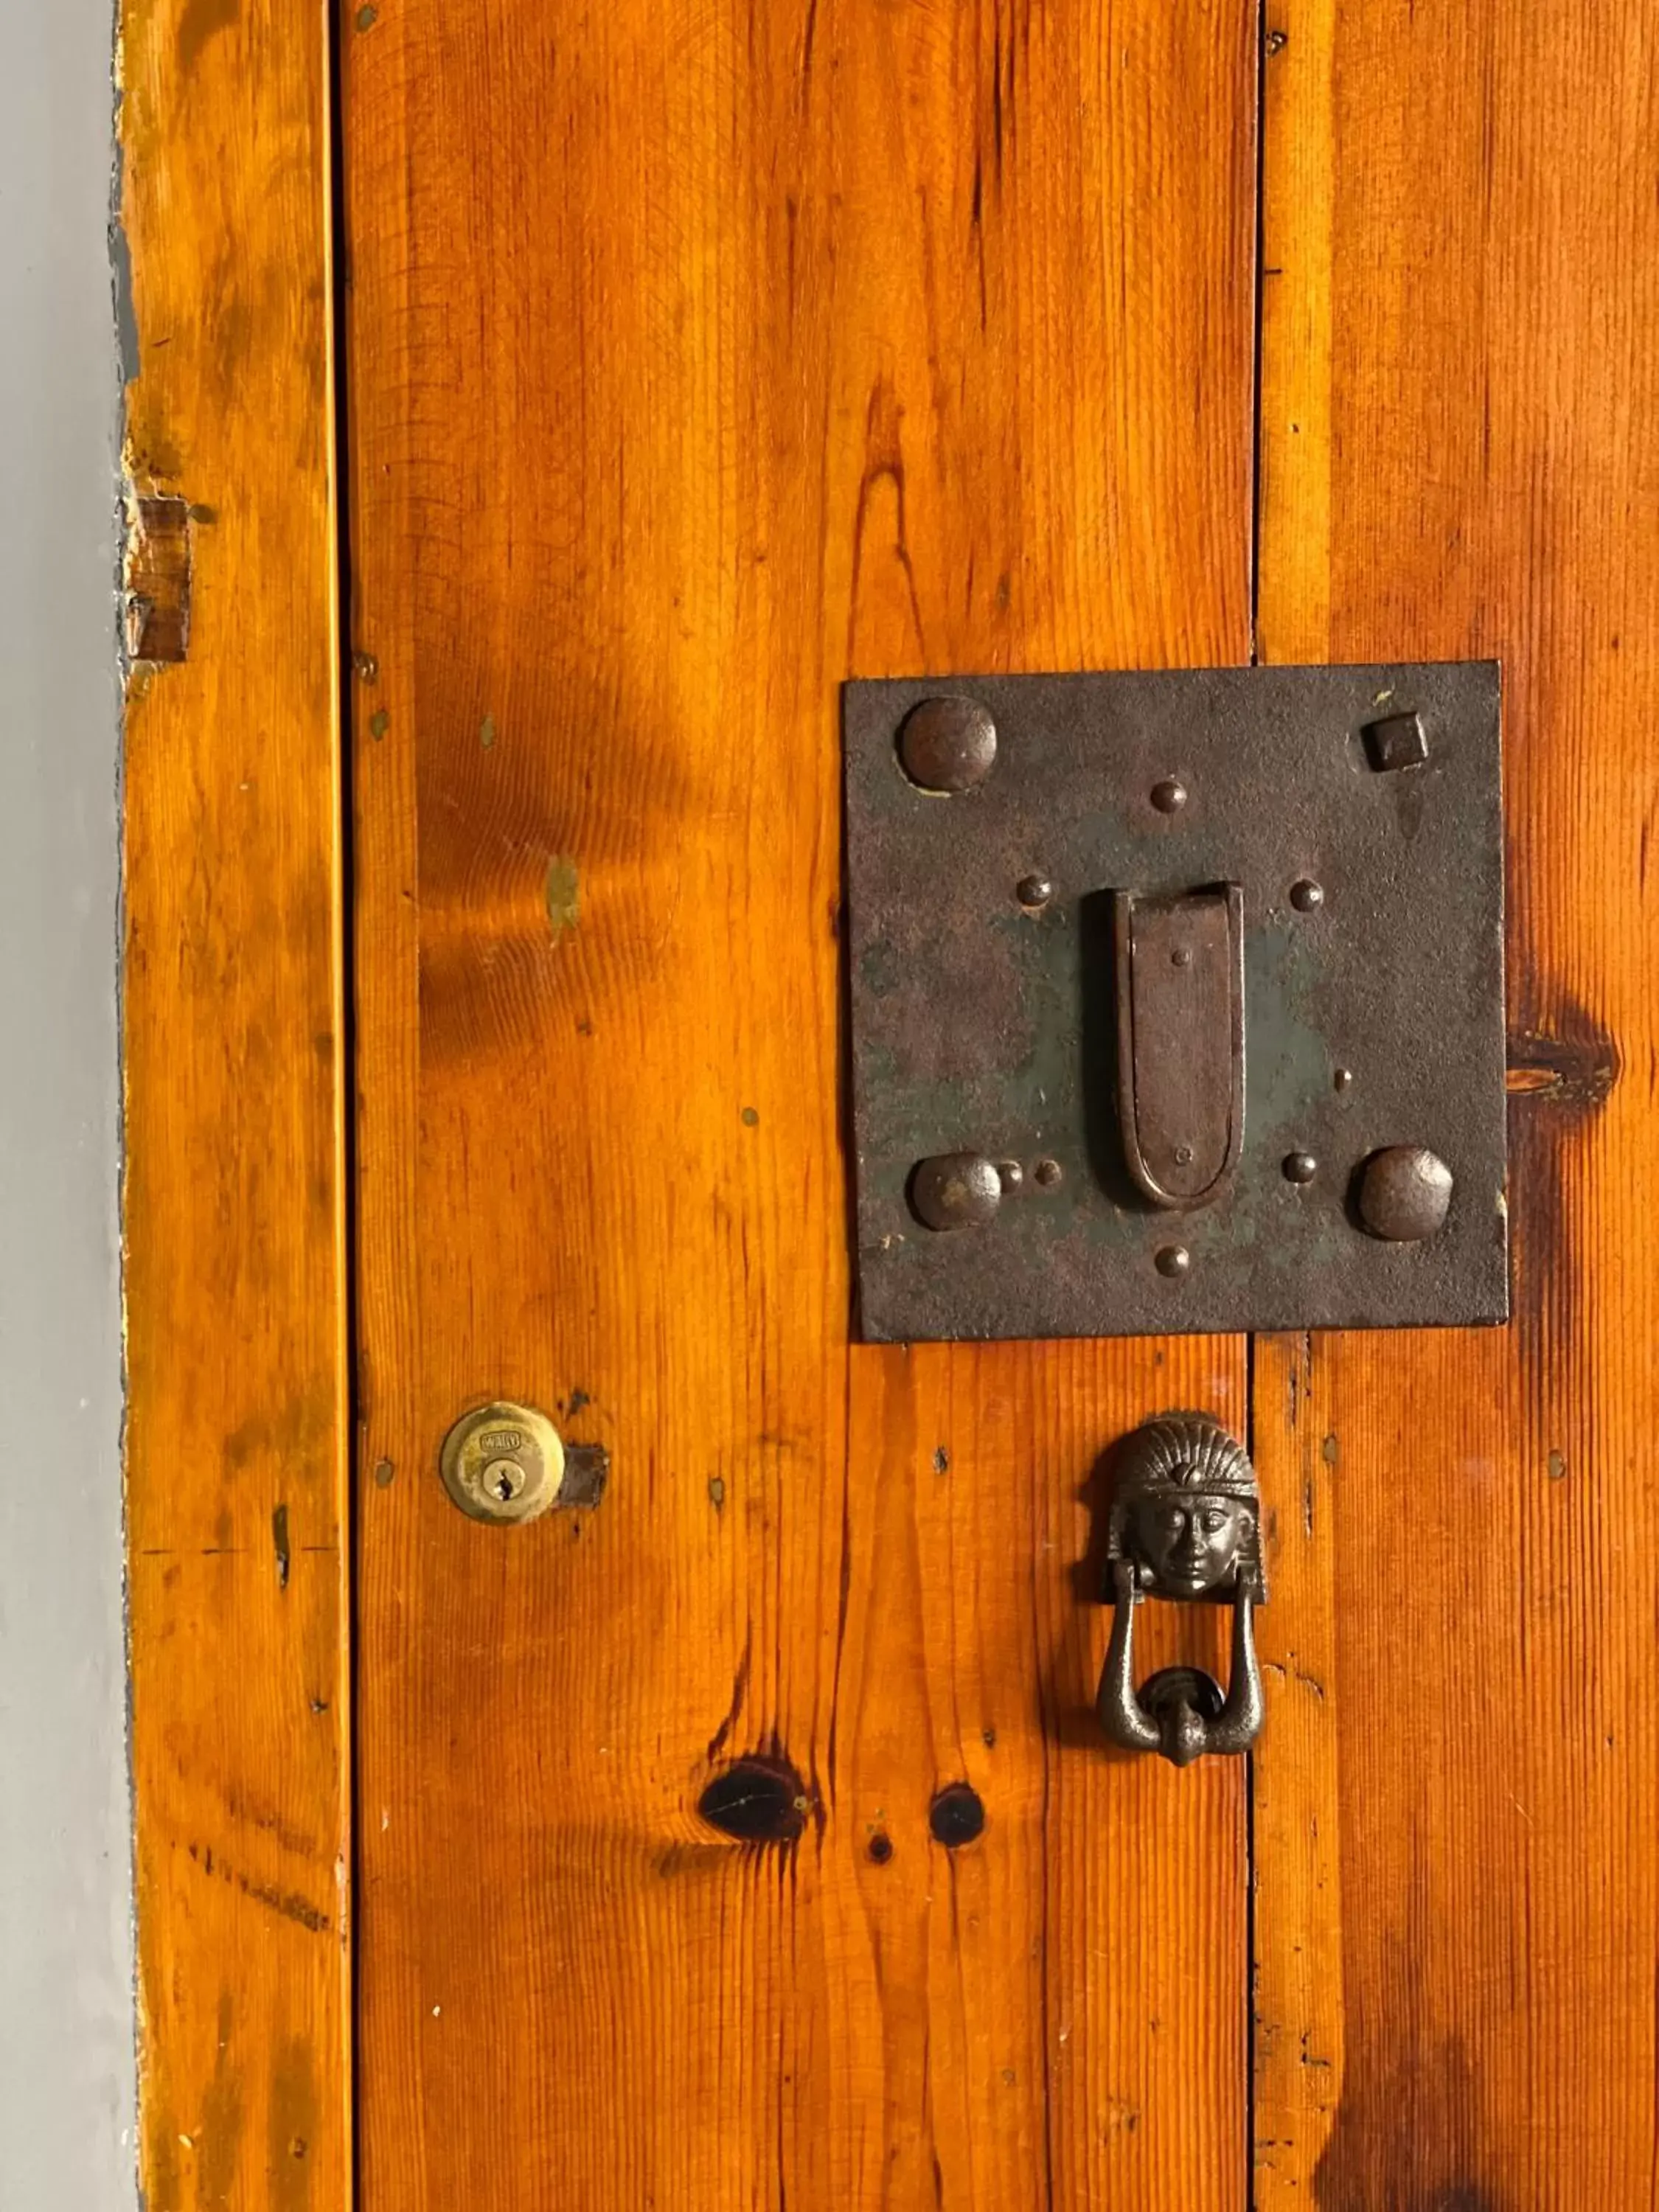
<point>66,2041</point>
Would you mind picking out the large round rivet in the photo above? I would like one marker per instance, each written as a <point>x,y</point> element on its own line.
<point>956,1190</point>
<point>1306,896</point>
<point>1173,1261</point>
<point>1169,795</point>
<point>1405,1191</point>
<point>1300,1167</point>
<point>503,1463</point>
<point>947,744</point>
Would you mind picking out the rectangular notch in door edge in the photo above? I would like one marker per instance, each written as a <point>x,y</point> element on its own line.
<point>1002,835</point>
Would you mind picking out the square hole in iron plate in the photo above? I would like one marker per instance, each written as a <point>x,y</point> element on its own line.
<point>987,1022</point>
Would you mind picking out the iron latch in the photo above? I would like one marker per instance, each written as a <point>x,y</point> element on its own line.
<point>1177,1000</point>
<point>1179,976</point>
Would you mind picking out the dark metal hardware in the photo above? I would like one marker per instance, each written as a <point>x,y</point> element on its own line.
<point>1181,1040</point>
<point>1212,943</point>
<point>947,744</point>
<point>1396,742</point>
<point>1185,1523</point>
<point>1404,1193</point>
<point>958,1190</point>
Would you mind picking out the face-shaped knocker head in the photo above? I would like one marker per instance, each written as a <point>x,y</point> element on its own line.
<point>1185,1523</point>
<point>1186,1512</point>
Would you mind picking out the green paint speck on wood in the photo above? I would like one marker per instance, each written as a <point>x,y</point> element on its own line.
<point>487,732</point>
<point>368,18</point>
<point>563,895</point>
<point>379,723</point>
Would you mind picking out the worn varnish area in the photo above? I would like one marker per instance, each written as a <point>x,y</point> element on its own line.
<point>1456,1850</point>
<point>156,578</point>
<point>234,1202</point>
<point>700,357</point>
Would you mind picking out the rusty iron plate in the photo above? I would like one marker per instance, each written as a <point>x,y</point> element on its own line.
<point>1356,813</point>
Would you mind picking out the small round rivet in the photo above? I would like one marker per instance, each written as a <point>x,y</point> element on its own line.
<point>1173,1261</point>
<point>1010,1174</point>
<point>1300,1167</point>
<point>1405,1193</point>
<point>1307,896</point>
<point>1183,1156</point>
<point>1048,1173</point>
<point>1033,891</point>
<point>956,1190</point>
<point>1169,795</point>
<point>503,1463</point>
<point>947,744</point>
<point>1181,956</point>
<point>1342,1079</point>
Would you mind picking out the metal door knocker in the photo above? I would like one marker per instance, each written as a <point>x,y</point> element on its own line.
<point>1185,1523</point>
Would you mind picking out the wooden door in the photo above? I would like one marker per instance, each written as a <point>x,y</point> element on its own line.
<point>700,355</point>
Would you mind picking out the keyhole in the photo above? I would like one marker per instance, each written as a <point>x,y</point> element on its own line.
<point>504,1480</point>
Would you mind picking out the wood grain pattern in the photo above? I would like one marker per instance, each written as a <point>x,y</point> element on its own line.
<point>700,356</point>
<point>236,1440</point>
<point>1457,1858</point>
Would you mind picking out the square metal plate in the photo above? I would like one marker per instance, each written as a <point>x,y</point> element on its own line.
<point>979,1025</point>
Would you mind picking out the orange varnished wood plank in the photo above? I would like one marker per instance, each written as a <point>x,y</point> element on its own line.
<point>700,357</point>
<point>1030,1992</point>
<point>236,1441</point>
<point>1456,1856</point>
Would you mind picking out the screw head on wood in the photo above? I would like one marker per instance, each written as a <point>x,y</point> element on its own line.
<point>947,744</point>
<point>956,1190</point>
<point>1405,1192</point>
<point>957,1816</point>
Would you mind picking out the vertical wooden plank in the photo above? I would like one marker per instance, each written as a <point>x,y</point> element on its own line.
<point>233,1071</point>
<point>701,356</point>
<point>1031,1992</point>
<point>1455,1878</point>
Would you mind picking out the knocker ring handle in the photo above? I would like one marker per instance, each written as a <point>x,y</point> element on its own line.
<point>1185,1524</point>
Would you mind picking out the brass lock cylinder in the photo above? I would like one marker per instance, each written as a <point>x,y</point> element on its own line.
<point>503,1462</point>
